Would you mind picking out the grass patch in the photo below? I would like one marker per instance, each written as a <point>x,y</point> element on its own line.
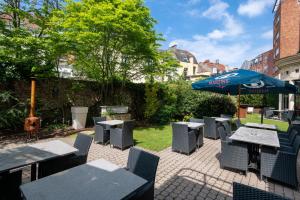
<point>155,138</point>
<point>282,126</point>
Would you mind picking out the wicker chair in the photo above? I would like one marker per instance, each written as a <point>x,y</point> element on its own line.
<point>9,184</point>
<point>245,192</point>
<point>101,131</point>
<point>210,128</point>
<point>143,164</point>
<point>49,167</point>
<point>183,140</point>
<point>280,164</point>
<point>227,127</point>
<point>238,123</point>
<point>122,137</point>
<point>199,133</point>
<point>234,155</point>
<point>290,116</point>
<point>294,131</point>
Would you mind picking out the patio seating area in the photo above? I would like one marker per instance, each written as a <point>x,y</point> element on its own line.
<point>179,176</point>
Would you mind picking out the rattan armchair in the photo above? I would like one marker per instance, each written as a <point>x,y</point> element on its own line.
<point>122,137</point>
<point>280,165</point>
<point>210,128</point>
<point>183,140</point>
<point>245,192</point>
<point>9,185</point>
<point>233,155</point>
<point>101,131</point>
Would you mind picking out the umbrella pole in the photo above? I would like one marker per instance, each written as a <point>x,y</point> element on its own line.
<point>263,110</point>
<point>239,102</point>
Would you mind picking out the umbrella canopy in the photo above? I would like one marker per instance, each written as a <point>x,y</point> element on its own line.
<point>244,82</point>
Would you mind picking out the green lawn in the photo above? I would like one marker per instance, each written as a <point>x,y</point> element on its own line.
<point>154,138</point>
<point>157,138</point>
<point>282,126</point>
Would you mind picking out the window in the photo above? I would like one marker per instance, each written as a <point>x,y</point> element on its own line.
<point>297,70</point>
<point>277,51</point>
<point>194,70</point>
<point>287,72</point>
<point>277,35</point>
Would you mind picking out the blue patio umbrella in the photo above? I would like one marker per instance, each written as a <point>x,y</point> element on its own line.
<point>244,82</point>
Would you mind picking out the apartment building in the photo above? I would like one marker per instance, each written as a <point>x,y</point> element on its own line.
<point>286,43</point>
<point>263,63</point>
<point>191,69</point>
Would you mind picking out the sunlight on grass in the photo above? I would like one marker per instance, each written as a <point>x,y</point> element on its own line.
<point>154,138</point>
<point>282,126</point>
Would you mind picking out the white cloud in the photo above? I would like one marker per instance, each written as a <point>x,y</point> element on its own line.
<point>268,34</point>
<point>194,12</point>
<point>253,8</point>
<point>217,10</point>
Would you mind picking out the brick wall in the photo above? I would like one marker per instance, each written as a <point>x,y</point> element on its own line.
<point>289,28</point>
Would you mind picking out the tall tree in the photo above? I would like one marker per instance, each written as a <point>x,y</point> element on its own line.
<point>26,47</point>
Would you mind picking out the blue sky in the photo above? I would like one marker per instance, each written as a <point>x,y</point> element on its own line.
<point>228,30</point>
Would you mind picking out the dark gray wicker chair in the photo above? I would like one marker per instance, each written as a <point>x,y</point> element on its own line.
<point>143,164</point>
<point>238,123</point>
<point>200,132</point>
<point>293,132</point>
<point>269,114</point>
<point>122,137</point>
<point>280,164</point>
<point>82,143</point>
<point>227,128</point>
<point>9,185</point>
<point>183,140</point>
<point>101,131</point>
<point>233,155</point>
<point>197,120</point>
<point>245,192</point>
<point>210,128</point>
<point>290,116</point>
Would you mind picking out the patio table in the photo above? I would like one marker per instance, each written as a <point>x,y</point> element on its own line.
<point>221,119</point>
<point>111,122</point>
<point>32,154</point>
<point>193,125</point>
<point>99,179</point>
<point>261,126</point>
<point>256,138</point>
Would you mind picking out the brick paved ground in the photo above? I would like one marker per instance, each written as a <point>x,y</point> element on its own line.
<point>197,176</point>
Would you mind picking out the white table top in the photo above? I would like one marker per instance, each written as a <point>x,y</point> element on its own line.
<point>192,125</point>
<point>111,122</point>
<point>261,126</point>
<point>98,179</point>
<point>26,155</point>
<point>256,136</point>
<point>221,119</point>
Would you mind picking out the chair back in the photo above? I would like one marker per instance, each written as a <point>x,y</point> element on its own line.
<point>238,123</point>
<point>210,126</point>
<point>227,127</point>
<point>142,163</point>
<point>83,143</point>
<point>222,133</point>
<point>179,130</point>
<point>98,119</point>
<point>296,144</point>
<point>226,116</point>
<point>197,120</point>
<point>269,113</point>
<point>128,127</point>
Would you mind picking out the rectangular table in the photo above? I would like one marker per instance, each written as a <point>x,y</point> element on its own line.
<point>111,122</point>
<point>192,125</point>
<point>261,126</point>
<point>256,136</point>
<point>32,154</point>
<point>222,119</point>
<point>98,179</point>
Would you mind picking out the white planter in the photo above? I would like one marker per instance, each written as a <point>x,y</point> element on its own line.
<point>79,117</point>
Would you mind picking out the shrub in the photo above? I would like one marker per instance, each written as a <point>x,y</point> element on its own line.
<point>212,105</point>
<point>257,100</point>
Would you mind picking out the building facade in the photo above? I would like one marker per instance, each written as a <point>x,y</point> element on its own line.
<point>191,69</point>
<point>286,43</point>
<point>263,63</point>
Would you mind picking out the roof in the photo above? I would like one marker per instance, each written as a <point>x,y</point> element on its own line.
<point>208,64</point>
<point>183,55</point>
